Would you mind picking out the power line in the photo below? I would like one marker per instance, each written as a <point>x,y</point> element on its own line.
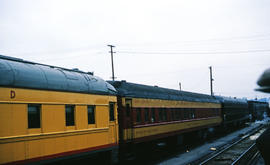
<point>251,37</point>
<point>206,52</point>
<point>218,42</point>
<point>213,41</point>
<point>210,41</point>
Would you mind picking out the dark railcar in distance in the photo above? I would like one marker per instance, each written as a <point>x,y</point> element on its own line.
<point>234,111</point>
<point>258,109</point>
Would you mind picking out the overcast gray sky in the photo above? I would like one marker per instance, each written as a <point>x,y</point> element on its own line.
<point>158,42</point>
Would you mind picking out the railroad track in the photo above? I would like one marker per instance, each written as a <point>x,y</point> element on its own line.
<point>241,151</point>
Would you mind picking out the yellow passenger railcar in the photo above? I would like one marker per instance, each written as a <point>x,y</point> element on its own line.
<point>49,113</point>
<point>151,113</point>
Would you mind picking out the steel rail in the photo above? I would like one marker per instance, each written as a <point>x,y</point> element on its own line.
<point>229,146</point>
<point>255,158</point>
<point>244,154</point>
<point>221,151</point>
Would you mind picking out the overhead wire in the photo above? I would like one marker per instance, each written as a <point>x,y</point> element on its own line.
<point>212,41</point>
<point>199,52</point>
<point>195,42</point>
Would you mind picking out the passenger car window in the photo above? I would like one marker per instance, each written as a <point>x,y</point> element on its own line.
<point>164,114</point>
<point>138,115</point>
<point>70,115</point>
<point>127,110</point>
<point>146,114</point>
<point>91,114</point>
<point>33,116</point>
<point>111,109</point>
<point>153,115</point>
<point>160,114</point>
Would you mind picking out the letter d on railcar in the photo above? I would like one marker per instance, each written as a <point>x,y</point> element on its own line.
<point>12,94</point>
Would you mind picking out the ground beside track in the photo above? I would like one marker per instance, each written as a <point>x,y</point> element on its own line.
<point>207,148</point>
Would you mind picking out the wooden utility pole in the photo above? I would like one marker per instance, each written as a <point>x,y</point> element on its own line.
<point>111,46</point>
<point>211,81</point>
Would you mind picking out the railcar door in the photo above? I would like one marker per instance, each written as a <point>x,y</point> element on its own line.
<point>128,120</point>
